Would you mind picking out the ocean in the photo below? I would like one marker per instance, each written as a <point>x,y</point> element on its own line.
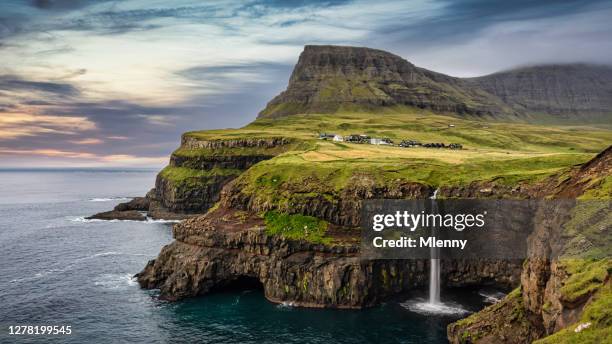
<point>58,269</point>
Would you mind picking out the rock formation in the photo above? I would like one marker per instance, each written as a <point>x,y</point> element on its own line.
<point>227,246</point>
<point>133,210</point>
<point>197,172</point>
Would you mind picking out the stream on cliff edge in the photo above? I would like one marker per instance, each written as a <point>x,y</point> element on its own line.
<point>57,269</point>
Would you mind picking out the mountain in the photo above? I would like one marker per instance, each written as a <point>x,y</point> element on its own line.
<point>573,90</point>
<point>329,79</point>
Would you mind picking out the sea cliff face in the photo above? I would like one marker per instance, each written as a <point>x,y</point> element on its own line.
<point>192,182</point>
<point>226,247</point>
<point>570,289</point>
<point>199,169</point>
<point>229,246</point>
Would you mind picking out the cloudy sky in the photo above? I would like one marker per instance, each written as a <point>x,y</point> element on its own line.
<point>115,83</point>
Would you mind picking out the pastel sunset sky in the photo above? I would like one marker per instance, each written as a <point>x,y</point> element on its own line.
<point>115,83</point>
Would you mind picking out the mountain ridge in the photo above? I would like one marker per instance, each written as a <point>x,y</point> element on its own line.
<point>328,79</point>
<point>575,89</point>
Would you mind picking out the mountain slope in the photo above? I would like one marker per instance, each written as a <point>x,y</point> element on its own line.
<point>576,90</point>
<point>327,79</point>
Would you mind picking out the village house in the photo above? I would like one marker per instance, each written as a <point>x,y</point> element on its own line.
<point>357,138</point>
<point>434,145</point>
<point>365,139</point>
<point>383,141</point>
<point>326,136</point>
<point>409,143</point>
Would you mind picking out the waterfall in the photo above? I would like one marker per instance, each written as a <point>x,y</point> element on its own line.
<point>434,262</point>
<point>434,305</point>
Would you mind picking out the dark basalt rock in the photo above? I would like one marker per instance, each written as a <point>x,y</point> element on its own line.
<point>176,201</point>
<point>342,209</point>
<point>132,215</point>
<point>173,200</point>
<point>208,255</point>
<point>241,162</point>
<point>137,203</point>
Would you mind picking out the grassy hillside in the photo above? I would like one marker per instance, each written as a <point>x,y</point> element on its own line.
<point>400,123</point>
<point>507,152</point>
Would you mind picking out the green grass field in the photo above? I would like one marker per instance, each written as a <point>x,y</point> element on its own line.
<point>505,152</point>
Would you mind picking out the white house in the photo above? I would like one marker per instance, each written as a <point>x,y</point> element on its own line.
<point>374,141</point>
<point>338,138</point>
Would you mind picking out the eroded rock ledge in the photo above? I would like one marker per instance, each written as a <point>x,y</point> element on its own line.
<point>217,249</point>
<point>556,295</point>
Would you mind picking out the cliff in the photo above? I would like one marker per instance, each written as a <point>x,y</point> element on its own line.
<point>198,170</point>
<point>233,247</point>
<point>195,175</point>
<point>572,289</point>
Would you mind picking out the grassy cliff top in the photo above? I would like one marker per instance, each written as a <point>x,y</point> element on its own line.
<point>510,151</point>
<point>405,123</point>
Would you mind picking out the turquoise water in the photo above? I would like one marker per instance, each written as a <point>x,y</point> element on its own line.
<point>56,269</point>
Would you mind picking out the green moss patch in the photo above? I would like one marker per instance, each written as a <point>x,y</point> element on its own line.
<point>585,277</point>
<point>587,232</point>
<point>506,319</point>
<point>183,175</point>
<point>597,314</point>
<point>296,227</point>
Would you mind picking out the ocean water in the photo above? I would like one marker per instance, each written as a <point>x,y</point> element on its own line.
<point>57,269</point>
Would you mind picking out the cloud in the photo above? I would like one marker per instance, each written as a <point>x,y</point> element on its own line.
<point>158,119</point>
<point>59,4</point>
<point>47,152</point>
<point>233,78</point>
<point>86,158</point>
<point>91,141</point>
<point>15,125</point>
<point>15,83</point>
<point>256,72</point>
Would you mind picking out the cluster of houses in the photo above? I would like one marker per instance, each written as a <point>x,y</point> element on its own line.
<point>365,139</point>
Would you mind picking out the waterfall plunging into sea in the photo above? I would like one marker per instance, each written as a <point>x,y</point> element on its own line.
<point>434,305</point>
<point>434,262</point>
